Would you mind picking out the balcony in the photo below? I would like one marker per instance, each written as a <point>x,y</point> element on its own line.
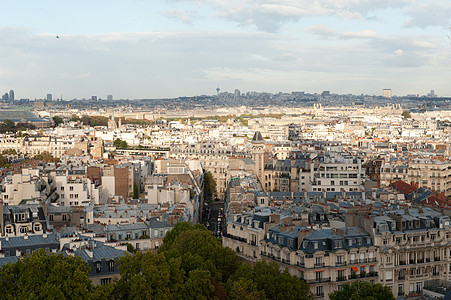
<point>420,261</point>
<point>402,262</point>
<point>401,278</point>
<point>286,261</point>
<point>436,258</point>
<point>342,278</point>
<point>319,295</point>
<point>371,274</point>
<point>300,264</point>
<point>340,263</point>
<point>318,280</point>
<point>319,265</point>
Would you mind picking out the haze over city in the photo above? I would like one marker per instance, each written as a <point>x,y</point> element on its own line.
<point>152,49</point>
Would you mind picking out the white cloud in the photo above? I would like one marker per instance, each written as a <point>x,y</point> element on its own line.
<point>179,15</point>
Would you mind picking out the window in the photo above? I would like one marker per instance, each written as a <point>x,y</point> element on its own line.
<point>9,229</point>
<point>23,229</point>
<point>37,227</point>
<point>319,276</point>
<point>50,217</point>
<point>76,195</point>
<point>98,267</point>
<point>105,281</point>
<point>64,217</point>
<point>71,196</point>
<point>62,196</point>
<point>71,188</point>
<point>111,265</point>
<point>400,289</point>
<point>388,259</point>
<point>62,188</point>
<point>319,291</point>
<point>389,275</point>
<point>419,287</point>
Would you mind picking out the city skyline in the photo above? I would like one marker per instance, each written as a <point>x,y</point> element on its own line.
<point>163,49</point>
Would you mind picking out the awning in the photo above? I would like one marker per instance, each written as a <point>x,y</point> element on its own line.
<point>319,271</point>
<point>300,270</point>
<point>342,270</point>
<point>372,265</point>
<point>355,269</point>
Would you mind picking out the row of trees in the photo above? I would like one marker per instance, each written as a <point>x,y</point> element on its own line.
<point>191,264</point>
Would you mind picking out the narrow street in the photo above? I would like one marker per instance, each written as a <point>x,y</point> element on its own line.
<point>215,218</point>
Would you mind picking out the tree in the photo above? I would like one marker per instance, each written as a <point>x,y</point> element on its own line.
<point>244,289</point>
<point>209,186</point>
<point>135,191</point>
<point>8,124</point>
<point>58,120</point>
<point>43,275</point>
<point>362,290</point>
<point>74,118</point>
<point>3,162</point>
<point>118,143</point>
<point>406,114</point>
<point>270,280</point>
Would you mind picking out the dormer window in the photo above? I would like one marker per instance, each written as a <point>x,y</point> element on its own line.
<point>349,242</point>
<point>315,245</point>
<point>304,244</point>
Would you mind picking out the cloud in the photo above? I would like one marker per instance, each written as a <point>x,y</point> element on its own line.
<point>179,15</point>
<point>271,15</point>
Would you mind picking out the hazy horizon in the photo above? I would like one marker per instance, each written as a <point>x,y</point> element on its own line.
<point>165,49</point>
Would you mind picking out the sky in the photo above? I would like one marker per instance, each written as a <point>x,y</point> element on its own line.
<point>135,49</point>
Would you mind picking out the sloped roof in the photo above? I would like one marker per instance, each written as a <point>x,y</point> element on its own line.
<point>257,137</point>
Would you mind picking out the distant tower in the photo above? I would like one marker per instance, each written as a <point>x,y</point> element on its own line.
<point>258,154</point>
<point>386,93</point>
<point>217,90</point>
<point>109,97</point>
<point>49,97</point>
<point>11,95</point>
<point>112,123</point>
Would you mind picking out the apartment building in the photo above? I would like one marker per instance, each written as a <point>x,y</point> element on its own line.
<point>325,258</point>
<point>74,189</point>
<point>333,172</point>
<point>414,246</point>
<point>27,185</point>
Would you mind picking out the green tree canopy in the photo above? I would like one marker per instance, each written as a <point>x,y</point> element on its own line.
<point>362,290</point>
<point>58,120</point>
<point>406,114</point>
<point>270,281</point>
<point>118,143</point>
<point>45,275</point>
<point>209,186</point>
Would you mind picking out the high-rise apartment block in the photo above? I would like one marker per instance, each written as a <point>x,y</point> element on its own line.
<point>386,93</point>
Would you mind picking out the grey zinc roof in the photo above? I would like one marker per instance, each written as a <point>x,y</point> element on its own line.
<point>99,252</point>
<point>30,241</point>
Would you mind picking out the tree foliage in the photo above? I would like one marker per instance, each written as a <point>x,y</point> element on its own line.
<point>118,143</point>
<point>47,276</point>
<point>57,120</point>
<point>268,279</point>
<point>192,264</point>
<point>362,290</point>
<point>406,114</point>
<point>209,186</point>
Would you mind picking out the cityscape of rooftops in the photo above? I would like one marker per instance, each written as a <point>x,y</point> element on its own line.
<point>225,149</point>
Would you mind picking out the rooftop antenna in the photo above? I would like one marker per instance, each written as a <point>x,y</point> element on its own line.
<point>217,90</point>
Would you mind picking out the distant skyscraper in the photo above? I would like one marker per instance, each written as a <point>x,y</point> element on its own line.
<point>94,98</point>
<point>217,90</point>
<point>109,97</point>
<point>5,97</point>
<point>431,94</point>
<point>237,93</point>
<point>11,95</point>
<point>386,93</point>
<point>49,97</point>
